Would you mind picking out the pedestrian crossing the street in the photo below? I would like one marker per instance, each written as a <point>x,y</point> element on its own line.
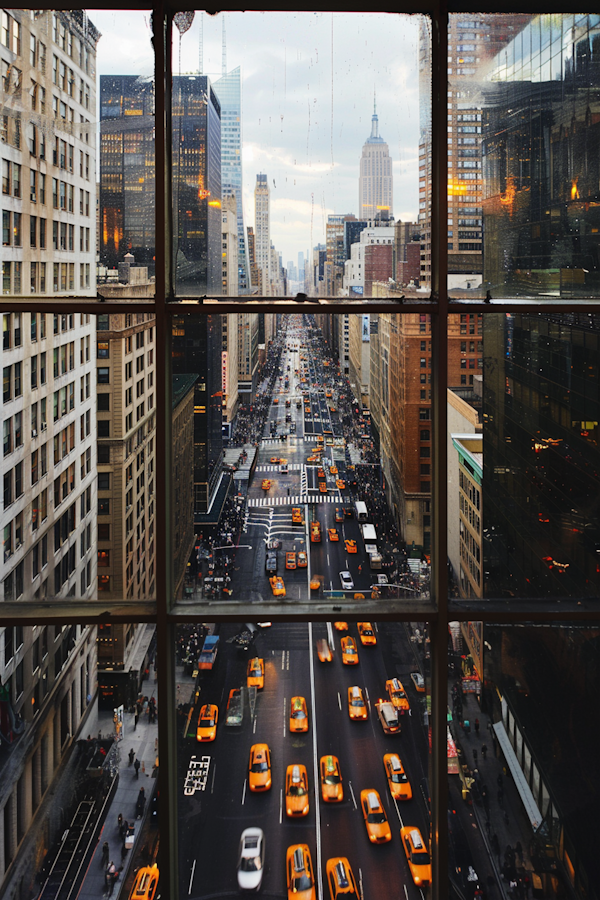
<point>294,501</point>
<point>292,467</point>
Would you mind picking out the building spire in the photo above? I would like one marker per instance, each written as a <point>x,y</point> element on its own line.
<point>374,120</point>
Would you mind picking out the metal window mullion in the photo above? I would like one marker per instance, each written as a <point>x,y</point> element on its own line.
<point>168,858</point>
<point>439,344</point>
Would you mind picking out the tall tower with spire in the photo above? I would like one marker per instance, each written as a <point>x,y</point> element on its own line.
<point>375,182</point>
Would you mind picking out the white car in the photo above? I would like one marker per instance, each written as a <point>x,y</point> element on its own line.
<point>251,859</point>
<point>346,580</point>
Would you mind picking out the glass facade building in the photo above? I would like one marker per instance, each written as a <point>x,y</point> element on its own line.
<point>196,137</point>
<point>541,163</point>
<point>229,91</point>
<point>126,170</point>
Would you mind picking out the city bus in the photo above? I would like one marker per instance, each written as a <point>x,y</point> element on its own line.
<point>361,511</point>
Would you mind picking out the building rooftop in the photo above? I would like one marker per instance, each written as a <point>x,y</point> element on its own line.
<point>182,384</point>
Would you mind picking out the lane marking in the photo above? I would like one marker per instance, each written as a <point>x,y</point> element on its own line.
<point>281,806</point>
<point>360,883</point>
<point>284,708</point>
<point>212,785</point>
<point>244,792</point>
<point>315,760</point>
<point>192,877</point>
<point>353,797</point>
<point>339,701</point>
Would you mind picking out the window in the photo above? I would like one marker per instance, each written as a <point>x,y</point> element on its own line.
<point>569,270</point>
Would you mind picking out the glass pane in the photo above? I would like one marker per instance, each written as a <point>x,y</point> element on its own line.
<point>522,183</point>
<point>265,179</point>
<point>308,775</point>
<point>78,457</point>
<point>523,460</point>
<point>518,811</point>
<point>78,722</point>
<point>289,479</point>
<point>52,156</point>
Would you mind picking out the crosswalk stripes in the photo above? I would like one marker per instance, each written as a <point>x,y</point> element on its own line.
<point>293,501</point>
<point>292,467</point>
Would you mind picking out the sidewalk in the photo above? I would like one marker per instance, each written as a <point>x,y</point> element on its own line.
<point>497,801</point>
<point>144,742</point>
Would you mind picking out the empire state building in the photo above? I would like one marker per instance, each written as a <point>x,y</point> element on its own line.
<point>375,183</point>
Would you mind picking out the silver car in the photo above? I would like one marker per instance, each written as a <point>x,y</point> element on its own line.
<point>346,580</point>
<point>251,859</point>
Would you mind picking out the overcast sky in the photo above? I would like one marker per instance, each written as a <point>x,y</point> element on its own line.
<point>307,100</point>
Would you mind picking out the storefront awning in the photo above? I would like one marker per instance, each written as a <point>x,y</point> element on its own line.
<point>531,807</point>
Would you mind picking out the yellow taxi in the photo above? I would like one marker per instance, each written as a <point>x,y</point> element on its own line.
<point>340,485</point>
<point>323,487</point>
<point>302,560</point>
<point>298,714</point>
<point>256,673</point>
<point>350,546</point>
<point>145,884</point>
<point>277,586</point>
<point>259,768</point>
<point>274,459</point>
<point>296,791</point>
<point>333,534</point>
<point>296,515</point>
<point>340,626</point>
<point>397,694</point>
<point>357,708</point>
<point>332,789</point>
<point>265,484</point>
<point>417,855</point>
<point>349,651</point>
<point>299,871</point>
<point>324,650</point>
<point>312,459</point>
<point>290,560</point>
<point>207,722</point>
<point>315,532</point>
<point>340,878</point>
<point>276,400</point>
<point>366,634</point>
<point>339,514</point>
<point>320,473</point>
<point>400,788</point>
<point>320,439</point>
<point>315,583</point>
<point>376,821</point>
<point>328,394</point>
<point>333,470</point>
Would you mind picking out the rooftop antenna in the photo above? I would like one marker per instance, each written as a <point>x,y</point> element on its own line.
<point>201,45</point>
<point>224,51</point>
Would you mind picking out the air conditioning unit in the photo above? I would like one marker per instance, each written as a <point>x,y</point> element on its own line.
<point>34,432</point>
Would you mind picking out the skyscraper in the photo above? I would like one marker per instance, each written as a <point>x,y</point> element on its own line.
<point>229,91</point>
<point>375,182</point>
<point>262,247</point>
<point>126,169</point>
<point>197,185</point>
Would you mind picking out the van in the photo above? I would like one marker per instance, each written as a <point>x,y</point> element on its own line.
<point>283,469</point>
<point>388,717</point>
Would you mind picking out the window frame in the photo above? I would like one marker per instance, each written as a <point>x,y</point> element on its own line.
<point>436,613</point>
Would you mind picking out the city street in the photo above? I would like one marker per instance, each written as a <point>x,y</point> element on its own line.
<point>311,434</point>
<point>214,814</point>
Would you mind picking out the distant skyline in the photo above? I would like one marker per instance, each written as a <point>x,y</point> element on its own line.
<point>304,120</point>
